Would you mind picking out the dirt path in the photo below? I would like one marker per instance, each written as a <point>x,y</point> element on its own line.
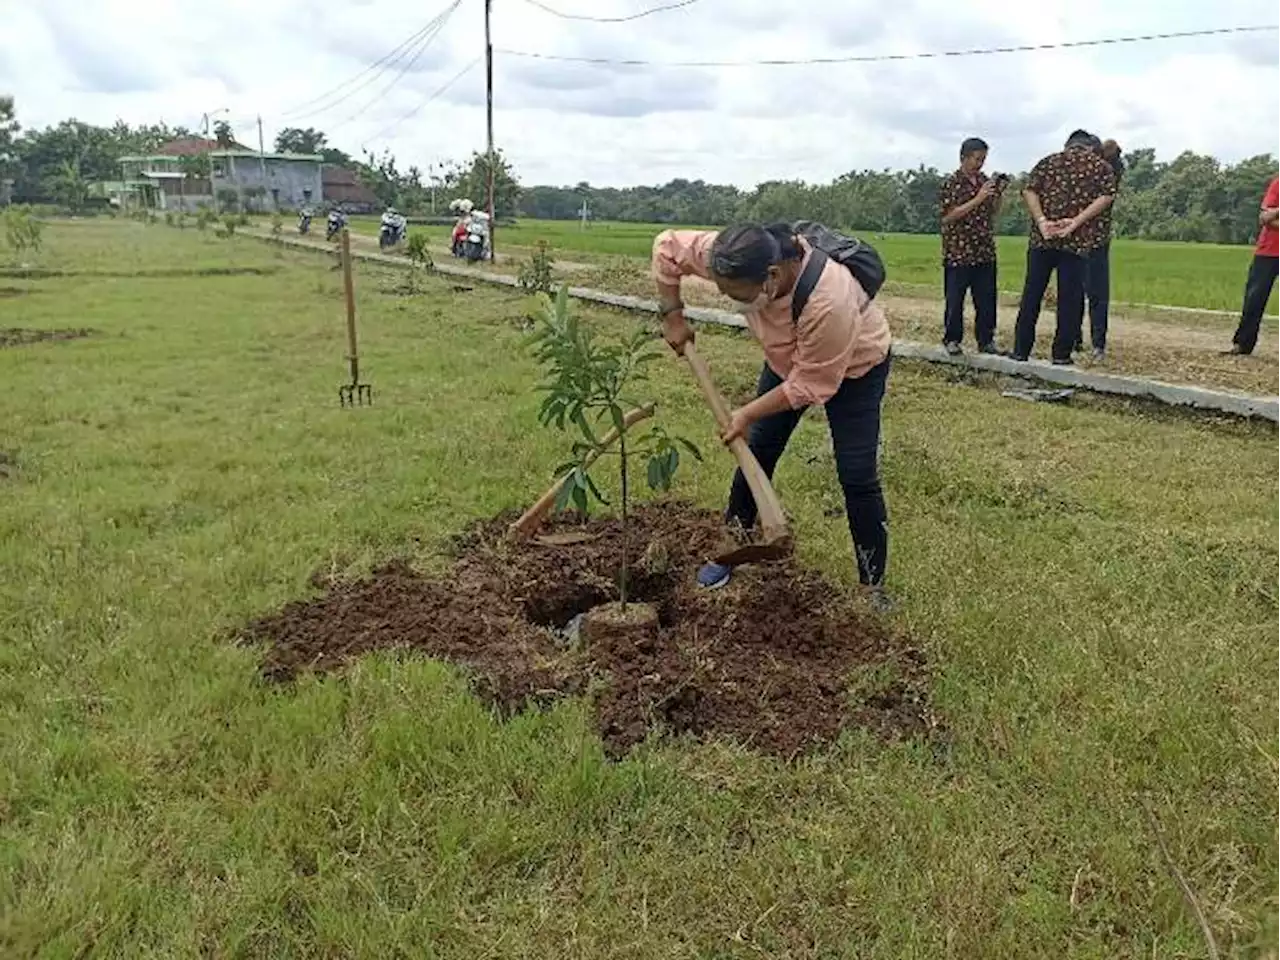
<point>1187,350</point>
<point>507,260</point>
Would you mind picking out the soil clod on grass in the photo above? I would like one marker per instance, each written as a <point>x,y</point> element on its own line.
<point>20,336</point>
<point>780,660</point>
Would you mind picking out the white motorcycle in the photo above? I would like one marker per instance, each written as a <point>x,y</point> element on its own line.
<point>337,220</point>
<point>475,243</point>
<point>392,230</point>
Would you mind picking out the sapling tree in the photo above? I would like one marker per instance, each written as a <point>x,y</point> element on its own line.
<point>535,275</point>
<point>589,388</point>
<point>418,250</point>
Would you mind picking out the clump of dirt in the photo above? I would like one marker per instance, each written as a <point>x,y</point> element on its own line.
<point>779,659</point>
<point>20,336</point>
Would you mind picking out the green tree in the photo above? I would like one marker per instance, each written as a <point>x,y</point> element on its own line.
<point>8,130</point>
<point>69,187</point>
<point>223,134</point>
<point>298,140</point>
<point>472,181</point>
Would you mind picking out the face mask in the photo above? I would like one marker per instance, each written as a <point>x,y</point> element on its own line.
<point>761,301</point>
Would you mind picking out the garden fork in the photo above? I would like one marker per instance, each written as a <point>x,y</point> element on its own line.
<point>354,393</point>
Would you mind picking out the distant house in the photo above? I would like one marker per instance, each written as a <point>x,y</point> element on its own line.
<point>343,189</point>
<point>259,181</point>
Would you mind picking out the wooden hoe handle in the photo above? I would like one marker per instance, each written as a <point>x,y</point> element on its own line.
<point>773,522</point>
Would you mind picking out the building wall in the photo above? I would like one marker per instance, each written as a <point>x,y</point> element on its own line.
<point>289,179</point>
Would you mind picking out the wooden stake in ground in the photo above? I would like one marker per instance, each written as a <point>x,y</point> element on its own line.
<point>533,517</point>
<point>354,393</point>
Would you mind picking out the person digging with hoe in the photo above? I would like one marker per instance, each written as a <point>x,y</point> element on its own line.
<point>833,350</point>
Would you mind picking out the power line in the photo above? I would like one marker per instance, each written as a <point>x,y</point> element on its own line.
<point>624,19</point>
<point>385,62</point>
<point>877,58</point>
<point>439,91</point>
<point>440,24</point>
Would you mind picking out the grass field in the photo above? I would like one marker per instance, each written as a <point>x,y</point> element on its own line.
<point>1209,276</point>
<point>1094,589</point>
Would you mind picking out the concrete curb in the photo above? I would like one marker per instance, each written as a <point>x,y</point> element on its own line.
<point>1178,395</point>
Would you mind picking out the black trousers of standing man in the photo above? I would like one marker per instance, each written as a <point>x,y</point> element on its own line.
<point>1257,291</point>
<point>1097,287</point>
<point>979,281</point>
<point>1041,264</point>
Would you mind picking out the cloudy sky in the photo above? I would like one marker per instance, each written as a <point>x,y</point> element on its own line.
<point>562,122</point>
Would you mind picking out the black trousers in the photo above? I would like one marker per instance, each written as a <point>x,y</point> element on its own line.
<point>1041,263</point>
<point>979,281</point>
<point>1097,288</point>
<point>853,416</point>
<point>1257,291</point>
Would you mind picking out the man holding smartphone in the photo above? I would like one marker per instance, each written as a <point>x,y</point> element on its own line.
<point>969,202</point>
<point>1262,273</point>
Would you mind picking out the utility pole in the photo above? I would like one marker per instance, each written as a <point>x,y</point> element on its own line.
<point>488,83</point>
<point>262,154</point>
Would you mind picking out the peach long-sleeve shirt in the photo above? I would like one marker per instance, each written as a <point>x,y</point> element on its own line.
<point>841,333</point>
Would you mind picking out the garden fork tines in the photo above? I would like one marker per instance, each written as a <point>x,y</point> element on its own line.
<point>354,393</point>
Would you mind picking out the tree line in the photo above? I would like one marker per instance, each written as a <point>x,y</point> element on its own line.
<point>1192,198</point>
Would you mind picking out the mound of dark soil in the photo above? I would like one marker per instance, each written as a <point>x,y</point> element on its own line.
<point>20,336</point>
<point>780,659</point>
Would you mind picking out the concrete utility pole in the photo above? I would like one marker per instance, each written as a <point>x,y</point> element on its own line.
<point>488,83</point>
<point>262,156</point>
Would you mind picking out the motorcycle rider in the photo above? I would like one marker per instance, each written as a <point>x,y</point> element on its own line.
<point>304,220</point>
<point>393,221</point>
<point>463,209</point>
<point>337,220</point>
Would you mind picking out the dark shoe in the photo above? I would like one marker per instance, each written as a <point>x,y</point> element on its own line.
<point>989,348</point>
<point>713,576</point>
<point>1236,351</point>
<point>1020,357</point>
<point>1063,362</point>
<point>953,349</point>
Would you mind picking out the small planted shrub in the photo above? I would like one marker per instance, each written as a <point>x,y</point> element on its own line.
<point>589,387</point>
<point>535,274</point>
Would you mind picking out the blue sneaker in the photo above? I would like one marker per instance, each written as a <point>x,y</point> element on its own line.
<point>713,576</point>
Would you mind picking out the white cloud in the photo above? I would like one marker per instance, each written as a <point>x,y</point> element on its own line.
<point>564,122</point>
